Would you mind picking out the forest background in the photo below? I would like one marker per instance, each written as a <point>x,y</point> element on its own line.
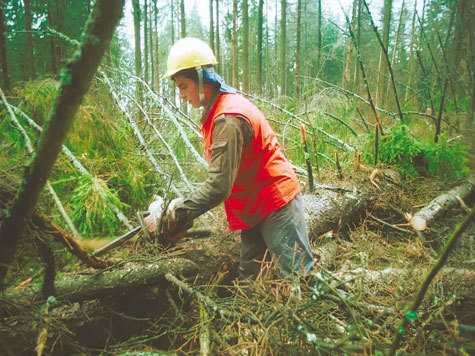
<point>345,74</point>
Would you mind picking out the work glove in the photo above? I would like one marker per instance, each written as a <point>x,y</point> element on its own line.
<point>171,214</point>
<point>174,224</point>
<point>156,207</point>
<point>167,227</point>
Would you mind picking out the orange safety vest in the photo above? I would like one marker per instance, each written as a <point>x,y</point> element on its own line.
<point>265,180</point>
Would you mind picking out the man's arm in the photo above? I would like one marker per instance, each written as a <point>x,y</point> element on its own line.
<point>230,135</point>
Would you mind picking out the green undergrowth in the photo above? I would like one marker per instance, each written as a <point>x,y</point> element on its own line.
<point>121,174</point>
<point>94,203</point>
<point>414,156</point>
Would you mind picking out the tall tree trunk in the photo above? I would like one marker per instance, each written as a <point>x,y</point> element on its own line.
<point>157,53</point>
<point>60,10</point>
<point>235,44</point>
<point>276,53</point>
<point>283,40</point>
<point>267,71</point>
<point>399,34</point>
<point>211,25</point>
<point>218,47</point>
<point>350,49</point>
<point>182,19</point>
<point>464,49</point>
<point>172,20</point>
<point>51,23</point>
<point>3,49</point>
<point>410,75</point>
<point>245,46</point>
<point>297,52</point>
<point>382,68</point>
<point>184,105</point>
<point>356,78</point>
<point>151,47</point>
<point>138,51</point>
<point>76,81</point>
<point>30,57</point>
<point>319,35</point>
<point>145,41</point>
<point>171,86</point>
<point>260,20</point>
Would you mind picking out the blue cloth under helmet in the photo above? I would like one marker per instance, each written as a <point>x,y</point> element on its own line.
<point>212,76</point>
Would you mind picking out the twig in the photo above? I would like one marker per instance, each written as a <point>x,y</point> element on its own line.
<point>307,157</point>
<point>411,314</point>
<point>441,109</point>
<point>388,224</point>
<point>63,236</point>
<point>338,166</point>
<point>46,253</point>
<point>341,122</point>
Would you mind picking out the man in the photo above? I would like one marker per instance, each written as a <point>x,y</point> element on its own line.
<point>247,169</point>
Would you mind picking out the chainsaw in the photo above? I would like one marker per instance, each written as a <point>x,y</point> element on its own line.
<point>169,233</point>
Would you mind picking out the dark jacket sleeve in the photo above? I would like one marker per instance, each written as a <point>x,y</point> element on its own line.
<point>230,135</point>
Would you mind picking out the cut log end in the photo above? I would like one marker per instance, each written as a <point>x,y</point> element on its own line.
<point>418,223</point>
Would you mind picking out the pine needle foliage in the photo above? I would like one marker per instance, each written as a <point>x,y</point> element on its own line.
<point>93,203</point>
<point>38,97</point>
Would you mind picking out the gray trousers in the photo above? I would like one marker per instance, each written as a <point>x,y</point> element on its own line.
<point>284,234</point>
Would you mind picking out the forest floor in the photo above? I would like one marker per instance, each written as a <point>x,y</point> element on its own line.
<point>270,315</point>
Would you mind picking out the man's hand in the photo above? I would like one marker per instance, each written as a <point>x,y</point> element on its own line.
<point>150,224</point>
<point>155,209</point>
<point>170,227</point>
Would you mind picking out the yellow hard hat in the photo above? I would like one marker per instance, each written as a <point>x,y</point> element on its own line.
<point>187,53</point>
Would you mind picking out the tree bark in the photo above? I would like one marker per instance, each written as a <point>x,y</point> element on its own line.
<point>30,57</point>
<point>260,21</point>
<point>235,45</point>
<point>411,54</point>
<point>3,49</point>
<point>157,53</point>
<point>439,206</point>
<point>297,52</point>
<point>283,40</point>
<point>245,46</point>
<point>51,23</point>
<point>399,38</point>
<point>331,210</point>
<point>218,42</point>
<point>211,25</point>
<point>145,41</point>
<point>182,19</point>
<point>75,83</point>
<point>319,35</point>
<point>350,49</point>
<point>92,285</point>
<point>382,68</point>
<point>137,49</point>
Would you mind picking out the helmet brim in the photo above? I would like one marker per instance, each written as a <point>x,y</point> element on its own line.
<point>172,72</point>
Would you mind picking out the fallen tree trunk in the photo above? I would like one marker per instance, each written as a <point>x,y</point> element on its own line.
<point>331,210</point>
<point>443,203</point>
<point>80,287</point>
<point>451,279</point>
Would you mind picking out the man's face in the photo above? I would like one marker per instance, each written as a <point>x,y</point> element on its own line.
<point>188,90</point>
